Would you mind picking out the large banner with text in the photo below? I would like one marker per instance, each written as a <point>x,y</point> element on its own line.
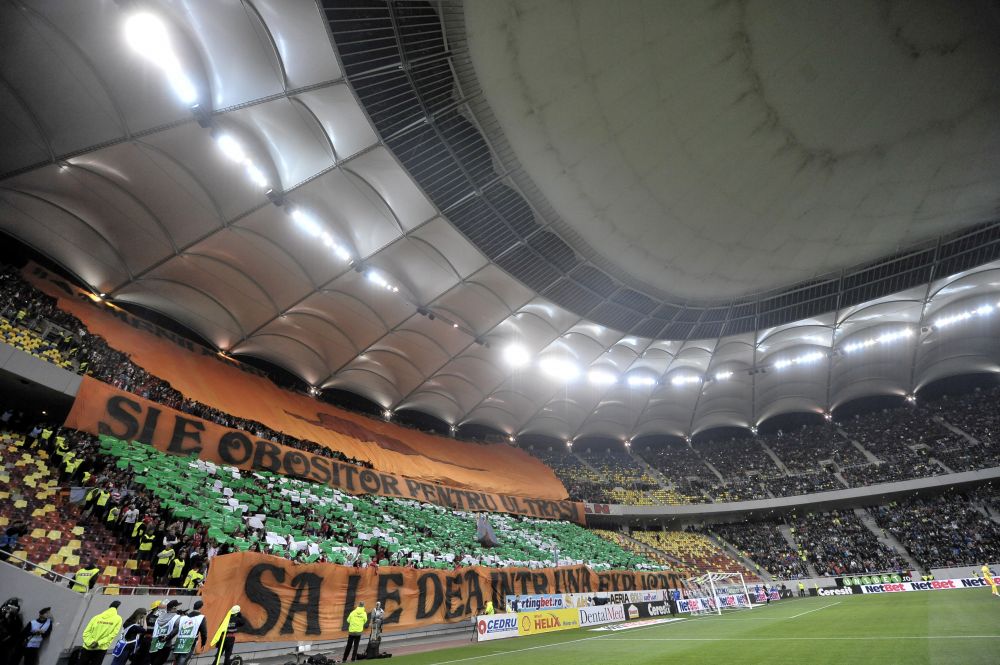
<point>103,409</point>
<point>223,383</point>
<point>282,601</point>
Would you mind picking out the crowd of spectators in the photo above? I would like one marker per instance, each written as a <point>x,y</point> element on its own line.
<point>838,543</point>
<point>899,438</point>
<point>737,458</point>
<point>806,483</point>
<point>573,473</point>
<point>943,531</point>
<point>93,356</point>
<point>804,450</point>
<point>763,543</point>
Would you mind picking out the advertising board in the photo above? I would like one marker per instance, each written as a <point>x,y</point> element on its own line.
<point>547,621</point>
<point>593,616</point>
<point>496,627</point>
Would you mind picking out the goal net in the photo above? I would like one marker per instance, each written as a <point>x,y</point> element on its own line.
<point>711,593</point>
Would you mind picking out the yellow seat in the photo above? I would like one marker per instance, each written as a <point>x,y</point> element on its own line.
<point>37,512</point>
<point>37,533</point>
<point>20,554</point>
<point>4,495</point>
<point>111,590</point>
<point>4,521</point>
<point>55,559</point>
<point>72,560</point>
<point>110,571</point>
<point>77,531</point>
<point>53,535</point>
<point>65,551</point>
<point>20,503</point>
<point>132,564</point>
<point>75,544</point>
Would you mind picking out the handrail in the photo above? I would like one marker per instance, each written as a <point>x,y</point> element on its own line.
<point>116,590</point>
<point>26,562</point>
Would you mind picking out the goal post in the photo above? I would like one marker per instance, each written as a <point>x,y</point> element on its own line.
<point>719,591</point>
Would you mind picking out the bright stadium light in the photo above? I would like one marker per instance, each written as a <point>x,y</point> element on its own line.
<point>307,223</point>
<point>231,148</point>
<point>804,359</point>
<point>685,380</point>
<point>559,368</point>
<point>981,311</point>
<point>724,375</point>
<point>147,35</point>
<point>256,176</point>
<point>600,377</point>
<point>641,380</point>
<point>516,355</point>
<point>376,278</point>
<point>884,338</point>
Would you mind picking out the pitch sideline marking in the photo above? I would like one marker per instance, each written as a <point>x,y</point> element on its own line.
<point>802,614</point>
<point>807,639</point>
<point>607,636</point>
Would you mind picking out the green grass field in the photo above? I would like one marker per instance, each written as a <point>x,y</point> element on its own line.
<point>941,627</point>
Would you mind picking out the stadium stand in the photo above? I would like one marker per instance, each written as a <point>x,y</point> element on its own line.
<point>763,543</point>
<point>949,530</point>
<point>694,550</point>
<point>204,509</point>
<point>837,543</point>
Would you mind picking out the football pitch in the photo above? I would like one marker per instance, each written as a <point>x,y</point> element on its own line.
<point>940,627</point>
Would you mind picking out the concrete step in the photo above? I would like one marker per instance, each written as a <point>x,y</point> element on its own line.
<point>774,456</point>
<point>663,481</point>
<point>857,444</point>
<point>962,433</point>
<point>749,564</point>
<point>885,537</point>
<point>786,532</point>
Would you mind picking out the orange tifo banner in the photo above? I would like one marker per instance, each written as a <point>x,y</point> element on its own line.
<point>282,601</point>
<point>239,390</point>
<point>103,409</point>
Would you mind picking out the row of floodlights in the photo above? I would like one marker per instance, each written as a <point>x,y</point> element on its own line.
<point>148,36</point>
<point>565,370</point>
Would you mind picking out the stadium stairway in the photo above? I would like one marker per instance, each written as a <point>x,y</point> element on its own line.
<point>59,539</point>
<point>886,537</point>
<point>749,564</point>
<point>786,532</point>
<point>869,455</point>
<point>659,477</point>
<point>774,456</point>
<point>711,467</point>
<point>960,432</point>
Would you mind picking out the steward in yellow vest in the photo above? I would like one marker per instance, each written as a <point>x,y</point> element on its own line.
<point>84,578</point>
<point>193,579</point>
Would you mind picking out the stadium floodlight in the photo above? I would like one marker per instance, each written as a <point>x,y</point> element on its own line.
<point>641,380</point>
<point>600,377</point>
<point>983,310</point>
<point>256,176</point>
<point>231,148</point>
<point>559,368</point>
<point>724,375</point>
<point>378,279</point>
<point>307,223</point>
<point>147,35</point>
<point>684,380</point>
<point>516,355</point>
<point>804,359</point>
<point>884,338</point>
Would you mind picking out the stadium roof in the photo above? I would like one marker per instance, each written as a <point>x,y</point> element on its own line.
<point>398,199</point>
